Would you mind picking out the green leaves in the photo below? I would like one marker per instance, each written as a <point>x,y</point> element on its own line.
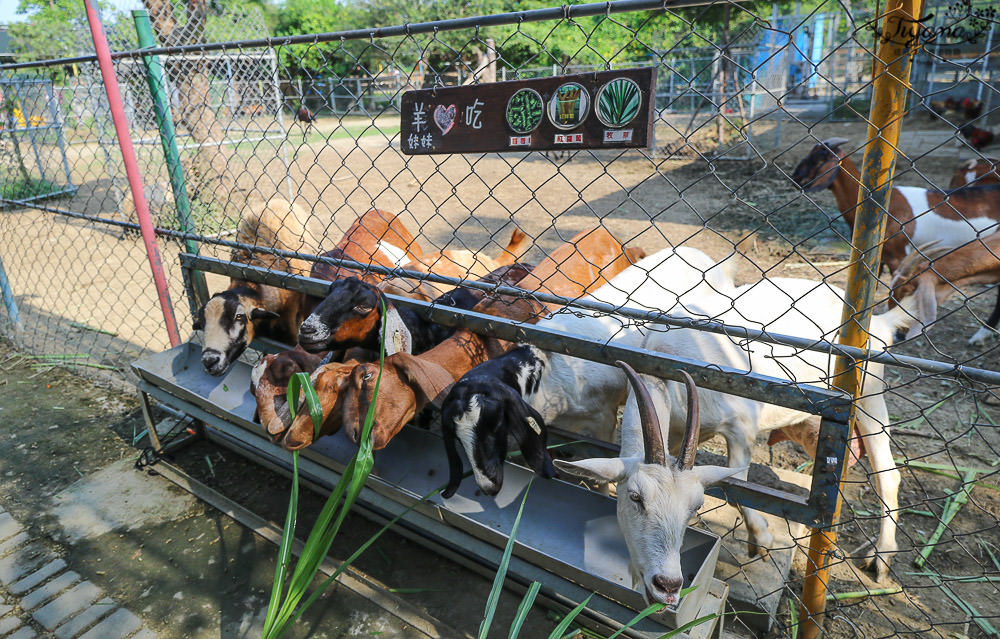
<point>282,611</point>
<point>301,384</point>
<point>619,102</point>
<point>494,598</point>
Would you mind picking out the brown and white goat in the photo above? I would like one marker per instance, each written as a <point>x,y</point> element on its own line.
<point>916,215</point>
<point>582,265</point>
<point>929,276</point>
<point>410,383</point>
<point>977,172</point>
<point>232,318</point>
<point>376,237</point>
<point>460,264</point>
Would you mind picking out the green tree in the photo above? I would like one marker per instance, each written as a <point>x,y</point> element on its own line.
<point>53,29</point>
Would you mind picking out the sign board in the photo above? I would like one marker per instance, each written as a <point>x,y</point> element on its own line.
<point>610,109</point>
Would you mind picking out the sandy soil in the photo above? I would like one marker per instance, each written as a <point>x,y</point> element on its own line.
<point>85,288</point>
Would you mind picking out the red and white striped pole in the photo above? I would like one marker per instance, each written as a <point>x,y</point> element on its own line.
<point>132,170</point>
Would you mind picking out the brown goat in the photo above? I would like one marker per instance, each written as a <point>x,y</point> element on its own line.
<point>377,237</point>
<point>410,383</point>
<point>916,215</point>
<point>928,277</point>
<point>232,318</point>
<point>330,381</point>
<point>461,264</point>
<point>978,171</point>
<point>269,385</point>
<point>584,264</point>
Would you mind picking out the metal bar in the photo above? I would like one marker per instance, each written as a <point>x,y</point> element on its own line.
<point>194,281</point>
<point>891,76</point>
<point>565,12</point>
<point>57,123</point>
<point>26,129</point>
<point>8,298</point>
<point>147,414</point>
<point>782,392</point>
<point>132,170</point>
<point>319,288</point>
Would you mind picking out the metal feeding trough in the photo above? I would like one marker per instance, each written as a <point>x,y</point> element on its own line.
<point>568,538</point>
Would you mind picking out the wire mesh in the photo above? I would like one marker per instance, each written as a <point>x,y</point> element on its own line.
<point>760,117</point>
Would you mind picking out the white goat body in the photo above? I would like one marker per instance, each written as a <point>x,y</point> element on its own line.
<point>583,396</point>
<point>788,306</point>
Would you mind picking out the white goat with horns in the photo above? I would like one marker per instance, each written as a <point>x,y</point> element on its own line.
<point>655,501</point>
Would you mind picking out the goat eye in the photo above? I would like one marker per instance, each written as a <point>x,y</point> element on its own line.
<point>362,309</point>
<point>240,317</point>
<point>367,376</point>
<point>635,497</point>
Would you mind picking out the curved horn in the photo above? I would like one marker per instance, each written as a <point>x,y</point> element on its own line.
<point>692,431</point>
<point>926,252</point>
<point>833,143</point>
<point>652,436</point>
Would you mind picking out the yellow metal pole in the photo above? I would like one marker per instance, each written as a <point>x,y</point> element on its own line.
<point>897,41</point>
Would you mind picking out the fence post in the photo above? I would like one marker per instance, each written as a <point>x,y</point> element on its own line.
<point>8,298</point>
<point>194,281</point>
<point>132,170</point>
<point>890,76</point>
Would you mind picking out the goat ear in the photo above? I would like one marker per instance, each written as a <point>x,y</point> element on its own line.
<point>709,475</point>
<point>428,379</point>
<point>926,304</point>
<point>528,428</point>
<point>451,451</point>
<point>599,469</point>
<point>261,314</point>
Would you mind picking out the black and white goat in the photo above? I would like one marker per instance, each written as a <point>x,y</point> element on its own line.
<point>558,390</point>
<point>485,408</point>
<point>351,316</point>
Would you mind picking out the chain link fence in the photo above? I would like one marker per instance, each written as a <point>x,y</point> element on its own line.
<point>761,120</point>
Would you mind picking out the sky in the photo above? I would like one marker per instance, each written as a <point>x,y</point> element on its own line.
<point>8,9</point>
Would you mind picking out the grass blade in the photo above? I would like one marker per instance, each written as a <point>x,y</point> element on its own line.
<point>523,609</point>
<point>651,609</point>
<point>285,550</point>
<point>689,625</point>
<point>301,384</point>
<point>361,549</point>
<point>560,630</point>
<point>323,533</point>
<point>491,602</point>
<point>954,503</point>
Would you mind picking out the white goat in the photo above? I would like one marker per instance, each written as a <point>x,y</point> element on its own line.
<point>658,500</point>
<point>570,393</point>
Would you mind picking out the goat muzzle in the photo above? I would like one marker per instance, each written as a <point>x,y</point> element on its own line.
<point>652,437</point>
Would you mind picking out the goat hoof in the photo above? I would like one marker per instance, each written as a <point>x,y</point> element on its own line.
<point>980,336</point>
<point>755,550</point>
<point>878,564</point>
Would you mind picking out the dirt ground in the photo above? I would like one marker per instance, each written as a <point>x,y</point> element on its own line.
<point>84,288</point>
<point>186,569</point>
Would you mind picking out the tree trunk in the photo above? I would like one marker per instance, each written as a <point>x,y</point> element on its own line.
<point>208,177</point>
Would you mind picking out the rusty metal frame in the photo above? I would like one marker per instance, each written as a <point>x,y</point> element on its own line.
<point>898,42</point>
<point>831,405</point>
